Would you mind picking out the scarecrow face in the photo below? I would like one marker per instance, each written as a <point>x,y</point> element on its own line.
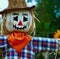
<point>19,21</point>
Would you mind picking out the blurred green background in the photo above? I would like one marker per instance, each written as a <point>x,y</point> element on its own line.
<point>48,12</point>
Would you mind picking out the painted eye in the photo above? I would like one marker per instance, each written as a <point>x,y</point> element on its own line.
<point>15,18</point>
<point>25,19</point>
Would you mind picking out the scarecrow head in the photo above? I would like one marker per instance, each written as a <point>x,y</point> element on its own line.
<point>17,17</point>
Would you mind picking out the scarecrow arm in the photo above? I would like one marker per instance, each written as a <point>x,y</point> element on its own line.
<point>3,42</point>
<point>45,44</point>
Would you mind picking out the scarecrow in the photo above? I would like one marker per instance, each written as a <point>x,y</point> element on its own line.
<point>17,25</point>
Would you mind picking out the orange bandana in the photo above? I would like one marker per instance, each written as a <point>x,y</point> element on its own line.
<point>18,40</point>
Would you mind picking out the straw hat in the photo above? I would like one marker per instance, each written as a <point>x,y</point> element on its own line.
<point>16,5</point>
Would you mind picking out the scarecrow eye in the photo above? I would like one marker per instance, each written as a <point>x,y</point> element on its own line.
<point>25,19</point>
<point>15,18</point>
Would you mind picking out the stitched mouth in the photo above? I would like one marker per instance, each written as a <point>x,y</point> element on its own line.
<point>19,28</point>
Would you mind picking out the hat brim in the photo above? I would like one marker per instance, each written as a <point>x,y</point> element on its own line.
<point>7,10</point>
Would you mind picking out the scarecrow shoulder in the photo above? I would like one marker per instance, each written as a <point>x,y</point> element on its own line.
<point>46,44</point>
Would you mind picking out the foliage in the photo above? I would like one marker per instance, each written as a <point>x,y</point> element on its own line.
<point>47,14</point>
<point>0,54</point>
<point>39,55</point>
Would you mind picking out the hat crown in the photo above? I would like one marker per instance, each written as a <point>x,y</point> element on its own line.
<point>16,4</point>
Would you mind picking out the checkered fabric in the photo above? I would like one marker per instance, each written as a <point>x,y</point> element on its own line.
<point>36,44</point>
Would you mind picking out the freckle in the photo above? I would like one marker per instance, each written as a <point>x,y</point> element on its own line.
<point>28,23</point>
<point>9,23</point>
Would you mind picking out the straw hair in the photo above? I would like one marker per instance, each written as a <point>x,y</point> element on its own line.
<point>4,31</point>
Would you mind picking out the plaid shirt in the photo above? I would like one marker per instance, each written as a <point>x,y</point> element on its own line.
<point>36,44</point>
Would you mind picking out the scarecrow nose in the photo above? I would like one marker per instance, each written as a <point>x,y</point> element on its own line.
<point>20,23</point>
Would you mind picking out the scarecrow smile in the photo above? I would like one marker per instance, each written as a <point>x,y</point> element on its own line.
<point>19,27</point>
